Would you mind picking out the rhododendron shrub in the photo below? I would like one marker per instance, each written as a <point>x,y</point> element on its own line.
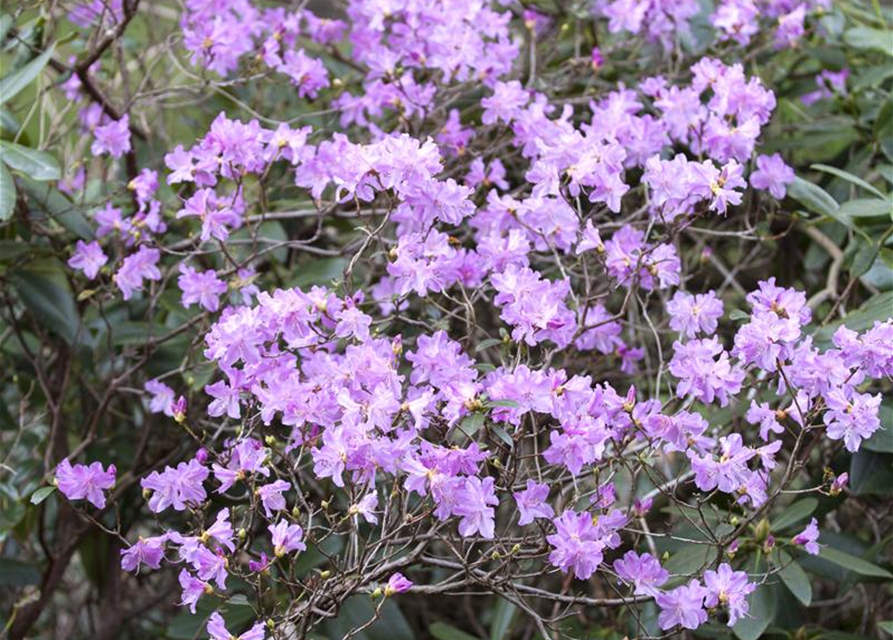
<point>448,318</point>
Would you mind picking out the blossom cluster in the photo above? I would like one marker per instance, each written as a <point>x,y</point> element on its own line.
<point>394,399</point>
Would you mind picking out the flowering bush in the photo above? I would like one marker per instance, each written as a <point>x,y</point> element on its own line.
<point>446,318</point>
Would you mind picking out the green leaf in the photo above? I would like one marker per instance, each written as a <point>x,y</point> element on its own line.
<point>887,626</point>
<point>37,165</point>
<point>795,579</point>
<point>486,344</point>
<point>502,435</point>
<point>690,559</point>
<point>871,473</point>
<point>798,511</point>
<point>849,177</point>
<point>502,619</point>
<point>853,563</point>
<point>865,257</point>
<point>866,208</point>
<point>58,207</point>
<point>762,611</point>
<point>817,200</point>
<point>472,424</point>
<point>868,38</point>
<point>13,83</point>
<point>45,291</point>
<point>444,631</point>
<point>319,271</point>
<point>511,404</point>
<point>41,494</point>
<point>7,193</point>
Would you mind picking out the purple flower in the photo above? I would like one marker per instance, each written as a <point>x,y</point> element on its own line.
<point>644,571</point>
<point>840,482</point>
<point>532,503</point>
<point>176,487</point>
<point>809,537</point>
<point>88,258</point>
<point>785,303</point>
<point>81,482</point>
<point>575,544</point>
<point>730,589</point>
<point>202,287</point>
<point>683,606</point>
<point>286,538</point>
<point>162,400</point>
<point>193,589</point>
<point>137,267</point>
<point>271,496</point>
<point>397,583</point>
<point>146,551</point>
<point>112,138</point>
<point>701,374</point>
<point>144,186</point>
<point>260,564</point>
<point>218,215</point>
<point>475,505</point>
<point>851,417</point>
<point>308,74</point>
<point>218,631</point>
<point>366,507</point>
<point>508,99</point>
<point>694,314</point>
<point>772,175</point>
<point>221,531</point>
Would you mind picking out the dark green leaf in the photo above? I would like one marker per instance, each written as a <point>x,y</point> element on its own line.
<point>762,611</point>
<point>13,83</point>
<point>691,559</point>
<point>871,473</point>
<point>7,193</point>
<point>852,563</point>
<point>51,201</point>
<point>795,579</point>
<point>41,494</point>
<point>849,177</point>
<point>486,344</point>
<point>45,291</point>
<point>503,615</point>
<point>868,38</point>
<point>443,631</point>
<point>866,208</point>
<point>472,424</point>
<point>798,511</point>
<point>817,200</point>
<point>38,165</point>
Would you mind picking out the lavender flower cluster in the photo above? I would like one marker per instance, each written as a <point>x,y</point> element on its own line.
<point>372,395</point>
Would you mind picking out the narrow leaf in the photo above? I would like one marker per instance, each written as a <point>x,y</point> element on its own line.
<point>849,177</point>
<point>798,511</point>
<point>41,494</point>
<point>13,83</point>
<point>38,165</point>
<point>853,563</point>
<point>7,193</point>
